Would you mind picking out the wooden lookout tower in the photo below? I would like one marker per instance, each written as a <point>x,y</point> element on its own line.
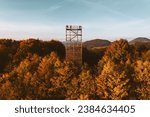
<point>74,43</point>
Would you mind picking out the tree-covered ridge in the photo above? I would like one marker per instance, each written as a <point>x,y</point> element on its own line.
<point>35,69</point>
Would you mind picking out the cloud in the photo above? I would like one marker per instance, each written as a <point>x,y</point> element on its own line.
<point>56,6</point>
<point>114,30</point>
<point>24,30</point>
<point>129,29</point>
<point>106,8</point>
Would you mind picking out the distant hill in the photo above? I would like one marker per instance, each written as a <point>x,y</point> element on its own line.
<point>96,43</point>
<point>139,40</point>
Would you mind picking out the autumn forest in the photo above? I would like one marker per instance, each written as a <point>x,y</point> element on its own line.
<point>33,69</point>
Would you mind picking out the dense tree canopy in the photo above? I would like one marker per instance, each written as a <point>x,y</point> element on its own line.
<point>35,69</point>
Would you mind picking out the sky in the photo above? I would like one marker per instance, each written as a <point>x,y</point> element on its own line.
<point>46,19</point>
